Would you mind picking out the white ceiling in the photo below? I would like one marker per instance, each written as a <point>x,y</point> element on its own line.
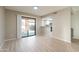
<point>43,10</point>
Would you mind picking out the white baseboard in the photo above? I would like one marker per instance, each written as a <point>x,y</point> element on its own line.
<point>12,39</point>
<point>1,45</point>
<point>62,39</point>
<point>75,37</point>
<point>67,41</point>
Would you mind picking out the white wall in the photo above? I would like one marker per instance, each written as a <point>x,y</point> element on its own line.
<point>38,26</point>
<point>11,23</point>
<point>75,25</point>
<point>62,25</point>
<point>2,26</point>
<point>61,29</point>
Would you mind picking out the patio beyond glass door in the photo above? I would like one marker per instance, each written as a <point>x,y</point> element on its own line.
<point>28,26</point>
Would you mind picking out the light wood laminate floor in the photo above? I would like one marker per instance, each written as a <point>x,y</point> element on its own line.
<point>39,44</point>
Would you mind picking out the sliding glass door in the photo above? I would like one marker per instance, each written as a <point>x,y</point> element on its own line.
<point>28,26</point>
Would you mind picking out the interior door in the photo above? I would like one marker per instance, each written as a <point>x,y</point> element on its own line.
<point>28,26</point>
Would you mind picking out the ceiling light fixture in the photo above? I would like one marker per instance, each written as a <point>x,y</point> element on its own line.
<point>35,8</point>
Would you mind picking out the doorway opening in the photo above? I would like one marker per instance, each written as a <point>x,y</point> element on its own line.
<point>28,27</point>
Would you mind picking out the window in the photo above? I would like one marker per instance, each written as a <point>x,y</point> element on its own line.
<point>28,27</point>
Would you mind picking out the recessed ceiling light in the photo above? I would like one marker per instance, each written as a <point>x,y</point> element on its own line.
<point>35,8</point>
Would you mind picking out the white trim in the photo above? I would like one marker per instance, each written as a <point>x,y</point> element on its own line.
<point>67,41</point>
<point>76,37</point>
<point>10,39</point>
<point>1,45</point>
<point>62,39</point>
<point>18,26</point>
